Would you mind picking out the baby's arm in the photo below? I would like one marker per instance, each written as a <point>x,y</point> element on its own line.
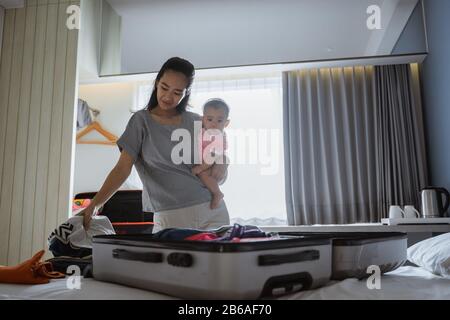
<point>200,168</point>
<point>218,159</point>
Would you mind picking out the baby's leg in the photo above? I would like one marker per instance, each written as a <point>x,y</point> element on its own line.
<point>212,186</point>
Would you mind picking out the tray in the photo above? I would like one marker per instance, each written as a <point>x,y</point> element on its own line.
<point>415,221</point>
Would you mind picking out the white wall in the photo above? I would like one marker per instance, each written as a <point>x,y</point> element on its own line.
<point>90,38</point>
<point>413,38</point>
<point>436,94</point>
<point>98,18</point>
<point>37,113</point>
<point>213,34</point>
<point>111,40</point>
<point>94,162</point>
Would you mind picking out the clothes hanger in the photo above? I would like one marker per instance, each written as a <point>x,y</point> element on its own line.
<point>111,139</point>
<point>95,126</point>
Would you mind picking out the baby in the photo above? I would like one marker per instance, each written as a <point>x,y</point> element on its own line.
<point>212,145</point>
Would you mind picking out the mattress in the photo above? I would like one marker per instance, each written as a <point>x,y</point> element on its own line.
<point>405,283</point>
<point>90,289</point>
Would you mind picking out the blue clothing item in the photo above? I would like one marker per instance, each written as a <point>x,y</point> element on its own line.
<point>175,234</point>
<point>61,264</point>
<point>61,249</point>
<point>83,115</point>
<point>243,232</point>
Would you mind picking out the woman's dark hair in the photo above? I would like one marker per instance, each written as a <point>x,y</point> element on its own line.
<point>179,65</point>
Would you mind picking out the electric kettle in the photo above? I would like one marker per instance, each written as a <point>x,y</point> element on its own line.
<point>432,206</point>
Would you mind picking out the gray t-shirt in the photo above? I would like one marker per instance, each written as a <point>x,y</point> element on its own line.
<point>166,185</point>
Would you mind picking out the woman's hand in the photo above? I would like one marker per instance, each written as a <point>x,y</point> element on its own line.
<point>219,172</point>
<point>87,216</point>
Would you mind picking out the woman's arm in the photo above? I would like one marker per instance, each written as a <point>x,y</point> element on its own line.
<point>220,170</point>
<point>115,179</point>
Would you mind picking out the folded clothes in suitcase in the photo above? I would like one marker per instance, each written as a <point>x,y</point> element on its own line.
<point>248,269</point>
<point>354,252</point>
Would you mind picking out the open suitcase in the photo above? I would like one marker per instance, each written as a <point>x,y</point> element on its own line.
<point>214,270</point>
<point>354,252</point>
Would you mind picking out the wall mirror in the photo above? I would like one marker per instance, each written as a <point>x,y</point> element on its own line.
<point>137,36</point>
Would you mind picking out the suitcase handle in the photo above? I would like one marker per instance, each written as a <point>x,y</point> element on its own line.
<point>276,259</point>
<point>178,259</point>
<point>152,257</point>
<point>280,285</point>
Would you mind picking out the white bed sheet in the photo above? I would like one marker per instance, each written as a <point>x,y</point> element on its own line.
<point>405,283</point>
<point>90,289</point>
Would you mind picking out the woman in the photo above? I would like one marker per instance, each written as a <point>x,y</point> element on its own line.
<point>177,198</point>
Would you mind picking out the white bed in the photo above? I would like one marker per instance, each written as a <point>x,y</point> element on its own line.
<point>90,289</point>
<point>405,283</point>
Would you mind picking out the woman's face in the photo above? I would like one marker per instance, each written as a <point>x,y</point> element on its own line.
<point>171,88</point>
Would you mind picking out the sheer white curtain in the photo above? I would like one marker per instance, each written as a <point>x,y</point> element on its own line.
<point>254,190</point>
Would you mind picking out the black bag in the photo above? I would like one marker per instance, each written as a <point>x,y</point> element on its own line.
<point>124,210</point>
<point>61,264</point>
<point>123,206</point>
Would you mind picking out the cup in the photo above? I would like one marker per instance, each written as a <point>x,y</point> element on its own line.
<point>410,212</point>
<point>396,212</point>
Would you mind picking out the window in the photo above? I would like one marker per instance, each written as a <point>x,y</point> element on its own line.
<point>141,95</point>
<point>254,191</point>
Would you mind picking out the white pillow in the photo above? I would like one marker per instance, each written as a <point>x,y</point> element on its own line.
<point>432,254</point>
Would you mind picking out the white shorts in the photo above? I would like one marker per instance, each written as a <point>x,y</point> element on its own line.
<point>199,217</point>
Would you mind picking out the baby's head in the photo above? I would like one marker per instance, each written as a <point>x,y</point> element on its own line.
<point>215,114</point>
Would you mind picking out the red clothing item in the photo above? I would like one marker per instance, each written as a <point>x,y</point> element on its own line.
<point>202,237</point>
<point>238,240</point>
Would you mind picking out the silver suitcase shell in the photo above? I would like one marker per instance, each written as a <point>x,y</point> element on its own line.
<point>208,270</point>
<point>353,255</point>
<point>354,252</point>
